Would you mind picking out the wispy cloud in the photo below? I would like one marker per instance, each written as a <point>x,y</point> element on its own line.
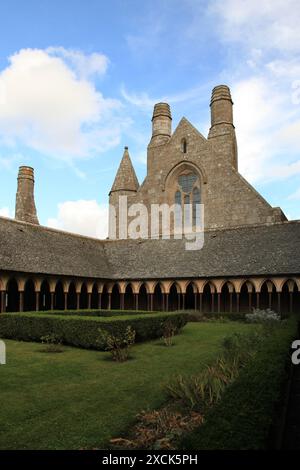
<point>143,100</point>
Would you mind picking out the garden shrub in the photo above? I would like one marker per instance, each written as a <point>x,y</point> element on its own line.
<point>52,342</point>
<point>267,316</point>
<point>118,344</point>
<point>243,418</point>
<point>170,329</point>
<point>83,331</point>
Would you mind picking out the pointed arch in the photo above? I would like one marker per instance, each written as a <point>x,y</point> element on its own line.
<point>12,296</point>
<point>129,298</point>
<point>115,297</point>
<point>83,303</point>
<point>45,296</point>
<point>29,296</point>
<point>143,296</point>
<point>95,296</point>
<point>59,298</point>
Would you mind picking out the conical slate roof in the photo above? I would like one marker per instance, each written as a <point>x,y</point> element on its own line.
<point>125,179</point>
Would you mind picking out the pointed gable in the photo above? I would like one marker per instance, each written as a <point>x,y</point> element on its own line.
<point>125,179</point>
<point>185,126</point>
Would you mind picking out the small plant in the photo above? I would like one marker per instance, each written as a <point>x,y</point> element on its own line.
<point>52,343</point>
<point>199,392</point>
<point>262,316</point>
<point>169,331</point>
<point>267,318</point>
<point>239,347</point>
<point>118,344</point>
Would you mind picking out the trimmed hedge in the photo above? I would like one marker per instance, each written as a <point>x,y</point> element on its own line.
<point>91,312</point>
<point>195,316</point>
<point>83,331</point>
<point>244,417</point>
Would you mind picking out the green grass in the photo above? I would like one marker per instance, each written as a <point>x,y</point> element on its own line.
<point>81,399</point>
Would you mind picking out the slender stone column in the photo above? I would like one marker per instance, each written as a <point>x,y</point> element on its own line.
<point>65,300</point>
<point>270,299</point>
<point>195,300</point>
<point>136,299</point>
<point>21,298</point>
<point>109,301</point>
<point>100,301</point>
<point>37,298</point>
<point>151,302</point>
<point>200,302</point>
<point>237,302</point>
<point>51,300</point>
<point>279,302</point>
<point>77,300</point>
<point>212,302</point>
<point>230,302</point>
<point>167,302</point>
<point>178,301</point>
<point>291,302</point>
<point>257,299</point>
<point>3,296</point>
<point>219,302</point>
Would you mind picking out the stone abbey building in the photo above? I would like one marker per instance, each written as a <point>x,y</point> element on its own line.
<point>250,257</point>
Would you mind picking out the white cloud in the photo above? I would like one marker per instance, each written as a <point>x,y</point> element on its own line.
<point>85,217</point>
<point>271,24</point>
<point>47,106</point>
<point>5,212</point>
<point>85,65</point>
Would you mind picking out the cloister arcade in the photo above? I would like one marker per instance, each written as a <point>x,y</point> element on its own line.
<point>34,293</point>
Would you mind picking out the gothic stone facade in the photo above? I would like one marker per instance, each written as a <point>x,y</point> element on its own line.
<point>250,257</point>
<point>228,199</point>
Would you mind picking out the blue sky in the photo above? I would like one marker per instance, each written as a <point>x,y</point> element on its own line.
<point>78,81</point>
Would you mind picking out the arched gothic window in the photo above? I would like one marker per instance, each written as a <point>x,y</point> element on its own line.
<point>188,192</point>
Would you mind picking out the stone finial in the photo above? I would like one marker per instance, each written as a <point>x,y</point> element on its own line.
<point>125,179</point>
<point>161,123</point>
<point>25,205</point>
<point>221,105</point>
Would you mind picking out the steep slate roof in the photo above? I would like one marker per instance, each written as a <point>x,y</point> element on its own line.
<point>252,250</point>
<point>125,179</point>
<point>34,249</point>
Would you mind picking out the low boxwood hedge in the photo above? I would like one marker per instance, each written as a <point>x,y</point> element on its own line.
<point>195,316</point>
<point>83,331</point>
<point>92,312</point>
<point>245,415</point>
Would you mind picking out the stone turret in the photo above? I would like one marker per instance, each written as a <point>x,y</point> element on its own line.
<point>222,129</point>
<point>25,205</point>
<point>161,124</point>
<point>124,188</point>
<point>125,179</point>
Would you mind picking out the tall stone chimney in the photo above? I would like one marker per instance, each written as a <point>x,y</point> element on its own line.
<point>222,131</point>
<point>25,205</point>
<point>221,106</point>
<point>161,124</point>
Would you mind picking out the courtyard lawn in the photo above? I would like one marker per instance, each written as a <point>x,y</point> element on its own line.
<point>80,398</point>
